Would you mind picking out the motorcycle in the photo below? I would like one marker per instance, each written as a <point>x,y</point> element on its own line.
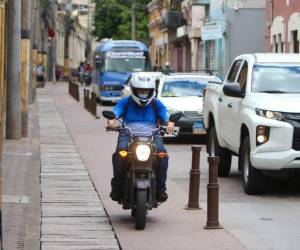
<point>140,170</point>
<point>87,78</point>
<point>81,78</point>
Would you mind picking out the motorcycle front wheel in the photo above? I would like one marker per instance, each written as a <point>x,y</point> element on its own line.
<point>141,209</point>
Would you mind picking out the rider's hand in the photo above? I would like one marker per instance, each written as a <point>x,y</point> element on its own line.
<point>112,123</point>
<point>170,127</point>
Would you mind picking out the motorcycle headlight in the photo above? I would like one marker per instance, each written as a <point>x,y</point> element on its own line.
<point>270,114</point>
<point>142,152</point>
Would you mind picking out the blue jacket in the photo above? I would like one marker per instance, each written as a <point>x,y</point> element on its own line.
<point>131,112</point>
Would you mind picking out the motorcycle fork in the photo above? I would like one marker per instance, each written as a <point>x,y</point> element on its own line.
<point>150,191</point>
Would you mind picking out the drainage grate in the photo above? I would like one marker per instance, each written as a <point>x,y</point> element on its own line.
<point>14,215</point>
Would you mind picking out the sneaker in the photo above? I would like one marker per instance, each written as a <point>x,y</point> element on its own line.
<point>161,196</point>
<point>115,196</point>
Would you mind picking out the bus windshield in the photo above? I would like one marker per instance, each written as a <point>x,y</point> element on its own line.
<point>126,61</point>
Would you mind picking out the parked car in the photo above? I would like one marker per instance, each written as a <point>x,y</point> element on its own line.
<point>157,75</point>
<point>183,92</point>
<point>255,114</point>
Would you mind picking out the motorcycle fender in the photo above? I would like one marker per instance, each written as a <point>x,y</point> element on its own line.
<point>142,184</point>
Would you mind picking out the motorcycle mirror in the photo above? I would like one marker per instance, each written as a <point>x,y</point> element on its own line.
<point>175,116</point>
<point>110,115</point>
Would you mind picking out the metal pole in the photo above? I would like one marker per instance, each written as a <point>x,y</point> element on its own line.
<point>2,97</point>
<point>68,26</point>
<point>213,195</point>
<point>13,115</point>
<point>34,53</point>
<point>194,179</point>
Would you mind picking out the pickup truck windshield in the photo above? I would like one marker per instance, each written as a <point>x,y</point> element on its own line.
<point>126,62</point>
<point>182,88</point>
<point>276,78</point>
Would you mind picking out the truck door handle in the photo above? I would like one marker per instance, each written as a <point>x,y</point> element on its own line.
<point>229,105</point>
<point>220,99</point>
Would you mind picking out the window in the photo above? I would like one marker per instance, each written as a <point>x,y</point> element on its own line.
<point>295,41</point>
<point>275,44</point>
<point>234,70</point>
<point>280,43</point>
<point>280,78</point>
<point>183,88</point>
<point>242,79</point>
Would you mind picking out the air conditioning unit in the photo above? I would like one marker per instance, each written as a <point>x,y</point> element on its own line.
<point>173,19</point>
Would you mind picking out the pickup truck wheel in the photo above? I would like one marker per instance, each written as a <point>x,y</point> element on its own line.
<point>214,149</point>
<point>252,178</point>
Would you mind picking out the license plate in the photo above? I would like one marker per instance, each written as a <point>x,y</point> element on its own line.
<point>198,128</point>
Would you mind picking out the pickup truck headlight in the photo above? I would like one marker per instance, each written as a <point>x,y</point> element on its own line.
<point>270,114</point>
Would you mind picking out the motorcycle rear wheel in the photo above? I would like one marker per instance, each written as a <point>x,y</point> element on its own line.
<point>141,209</point>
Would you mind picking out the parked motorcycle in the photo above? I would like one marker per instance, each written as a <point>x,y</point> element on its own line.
<point>87,78</point>
<point>141,167</point>
<point>81,78</point>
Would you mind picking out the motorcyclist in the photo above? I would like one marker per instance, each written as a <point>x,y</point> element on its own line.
<point>140,111</point>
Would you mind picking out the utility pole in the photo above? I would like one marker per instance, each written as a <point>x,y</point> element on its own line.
<point>33,51</point>
<point>89,38</point>
<point>2,97</point>
<point>51,40</point>
<point>68,27</point>
<point>13,114</point>
<point>133,21</point>
<point>25,64</point>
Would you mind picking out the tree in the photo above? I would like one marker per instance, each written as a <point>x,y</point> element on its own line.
<point>112,19</point>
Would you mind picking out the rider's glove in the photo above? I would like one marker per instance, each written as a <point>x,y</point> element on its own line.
<point>112,123</point>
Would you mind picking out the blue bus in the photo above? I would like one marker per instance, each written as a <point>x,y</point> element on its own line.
<point>114,62</point>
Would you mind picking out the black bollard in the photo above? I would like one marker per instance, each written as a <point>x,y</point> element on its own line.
<point>194,188</point>
<point>213,195</point>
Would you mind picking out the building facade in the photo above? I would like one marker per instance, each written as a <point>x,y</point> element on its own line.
<point>240,24</point>
<point>164,18</point>
<point>79,34</point>
<point>282,26</point>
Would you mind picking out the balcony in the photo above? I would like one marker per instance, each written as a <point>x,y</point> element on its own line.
<point>201,2</point>
<point>171,20</point>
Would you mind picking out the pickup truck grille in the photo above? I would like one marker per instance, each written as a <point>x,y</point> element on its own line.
<point>294,120</point>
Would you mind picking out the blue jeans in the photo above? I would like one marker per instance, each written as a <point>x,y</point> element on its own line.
<point>117,181</point>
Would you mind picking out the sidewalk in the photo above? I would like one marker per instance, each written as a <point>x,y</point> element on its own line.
<point>21,190</point>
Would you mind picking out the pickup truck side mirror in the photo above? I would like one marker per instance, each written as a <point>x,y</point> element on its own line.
<point>233,90</point>
<point>175,116</point>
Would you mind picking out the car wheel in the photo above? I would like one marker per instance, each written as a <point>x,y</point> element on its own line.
<point>214,149</point>
<point>252,178</point>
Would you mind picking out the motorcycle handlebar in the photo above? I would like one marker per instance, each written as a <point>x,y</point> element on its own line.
<point>159,131</point>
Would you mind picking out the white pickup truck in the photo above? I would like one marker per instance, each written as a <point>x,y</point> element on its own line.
<point>255,114</point>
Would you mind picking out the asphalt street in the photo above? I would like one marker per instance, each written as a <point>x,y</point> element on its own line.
<point>267,221</point>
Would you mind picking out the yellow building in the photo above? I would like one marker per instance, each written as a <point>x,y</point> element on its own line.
<point>164,18</point>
